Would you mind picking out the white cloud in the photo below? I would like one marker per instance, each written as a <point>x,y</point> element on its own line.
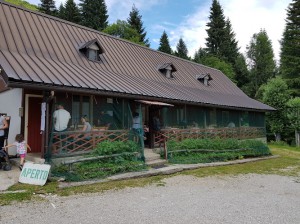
<point>118,9</point>
<point>247,18</point>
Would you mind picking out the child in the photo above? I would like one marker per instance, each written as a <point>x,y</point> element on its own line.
<point>21,148</point>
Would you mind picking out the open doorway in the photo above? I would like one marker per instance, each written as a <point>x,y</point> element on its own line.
<point>33,134</point>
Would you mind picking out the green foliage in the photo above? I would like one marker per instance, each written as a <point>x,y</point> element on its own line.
<point>181,50</point>
<point>70,12</point>
<point>94,14</point>
<point>275,94</point>
<point>135,21</point>
<point>261,61</point>
<point>24,4</point>
<point>123,30</point>
<point>290,49</point>
<point>102,168</point>
<point>48,7</point>
<point>216,150</point>
<point>293,112</point>
<point>216,30</point>
<point>200,55</point>
<point>279,143</point>
<point>98,169</point>
<point>241,71</point>
<point>164,45</point>
<point>216,63</point>
<point>116,147</point>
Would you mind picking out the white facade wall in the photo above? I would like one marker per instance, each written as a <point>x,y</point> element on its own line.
<point>10,102</point>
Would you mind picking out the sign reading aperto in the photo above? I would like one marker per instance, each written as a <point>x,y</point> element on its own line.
<point>35,174</point>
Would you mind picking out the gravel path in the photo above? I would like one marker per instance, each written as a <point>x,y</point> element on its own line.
<point>182,199</point>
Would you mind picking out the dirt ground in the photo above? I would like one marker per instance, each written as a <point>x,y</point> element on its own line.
<point>181,199</point>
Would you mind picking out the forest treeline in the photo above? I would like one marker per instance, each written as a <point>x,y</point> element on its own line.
<point>256,72</point>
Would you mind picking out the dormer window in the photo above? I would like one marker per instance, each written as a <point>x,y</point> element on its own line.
<point>167,69</point>
<point>204,78</point>
<point>92,50</point>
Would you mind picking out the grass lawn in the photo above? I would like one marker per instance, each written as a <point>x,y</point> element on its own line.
<point>288,164</point>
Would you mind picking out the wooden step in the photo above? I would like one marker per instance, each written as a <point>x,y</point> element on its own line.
<point>158,162</point>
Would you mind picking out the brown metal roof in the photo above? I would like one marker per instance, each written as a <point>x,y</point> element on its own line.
<point>40,49</point>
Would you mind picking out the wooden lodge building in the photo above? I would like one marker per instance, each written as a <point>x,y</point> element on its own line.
<point>44,60</point>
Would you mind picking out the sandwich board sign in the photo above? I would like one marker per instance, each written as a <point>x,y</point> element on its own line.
<point>33,173</point>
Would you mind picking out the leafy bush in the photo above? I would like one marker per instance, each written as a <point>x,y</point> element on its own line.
<point>101,168</point>
<point>217,150</point>
<point>97,169</point>
<point>116,147</point>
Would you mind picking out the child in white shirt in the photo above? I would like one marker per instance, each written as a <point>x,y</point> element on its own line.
<point>21,148</point>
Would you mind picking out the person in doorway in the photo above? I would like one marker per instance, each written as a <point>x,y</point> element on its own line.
<point>156,123</point>
<point>61,118</point>
<point>22,147</point>
<point>136,126</point>
<point>3,126</point>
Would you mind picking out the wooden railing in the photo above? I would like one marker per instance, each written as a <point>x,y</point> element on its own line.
<point>77,142</point>
<point>194,133</point>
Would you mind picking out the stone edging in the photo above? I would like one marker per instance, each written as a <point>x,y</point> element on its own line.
<point>163,171</point>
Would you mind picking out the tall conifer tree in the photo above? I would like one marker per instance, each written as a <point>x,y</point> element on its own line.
<point>229,49</point>
<point>290,49</point>
<point>216,30</point>
<point>48,7</point>
<point>71,12</point>
<point>164,45</point>
<point>94,14</point>
<point>135,21</point>
<point>181,50</point>
<point>61,11</point>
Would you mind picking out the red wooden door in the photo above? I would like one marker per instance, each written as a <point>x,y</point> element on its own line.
<point>34,138</point>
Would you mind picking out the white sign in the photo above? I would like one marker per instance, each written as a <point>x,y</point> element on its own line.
<point>35,174</point>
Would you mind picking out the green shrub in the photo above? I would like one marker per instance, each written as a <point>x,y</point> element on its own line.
<point>101,168</point>
<point>214,150</point>
<point>116,147</point>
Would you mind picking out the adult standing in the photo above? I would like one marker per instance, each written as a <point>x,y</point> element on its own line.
<point>3,126</point>
<point>61,118</point>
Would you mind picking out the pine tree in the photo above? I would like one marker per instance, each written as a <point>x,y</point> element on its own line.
<point>200,55</point>
<point>94,14</point>
<point>241,71</point>
<point>229,49</point>
<point>290,49</point>
<point>135,21</point>
<point>261,61</point>
<point>61,11</point>
<point>48,7</point>
<point>181,50</point>
<point>71,12</point>
<point>164,45</point>
<point>216,30</point>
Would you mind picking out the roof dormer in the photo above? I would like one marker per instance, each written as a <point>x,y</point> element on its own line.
<point>167,69</point>
<point>92,50</point>
<point>204,78</point>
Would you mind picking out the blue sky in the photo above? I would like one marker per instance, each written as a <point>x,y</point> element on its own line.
<point>188,18</point>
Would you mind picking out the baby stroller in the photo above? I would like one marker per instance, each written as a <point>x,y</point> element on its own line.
<point>4,160</point>
<point>4,157</point>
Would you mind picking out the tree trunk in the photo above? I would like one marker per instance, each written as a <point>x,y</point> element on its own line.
<point>297,138</point>
<point>278,137</point>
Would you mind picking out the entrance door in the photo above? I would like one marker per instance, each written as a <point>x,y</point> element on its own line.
<point>34,138</point>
